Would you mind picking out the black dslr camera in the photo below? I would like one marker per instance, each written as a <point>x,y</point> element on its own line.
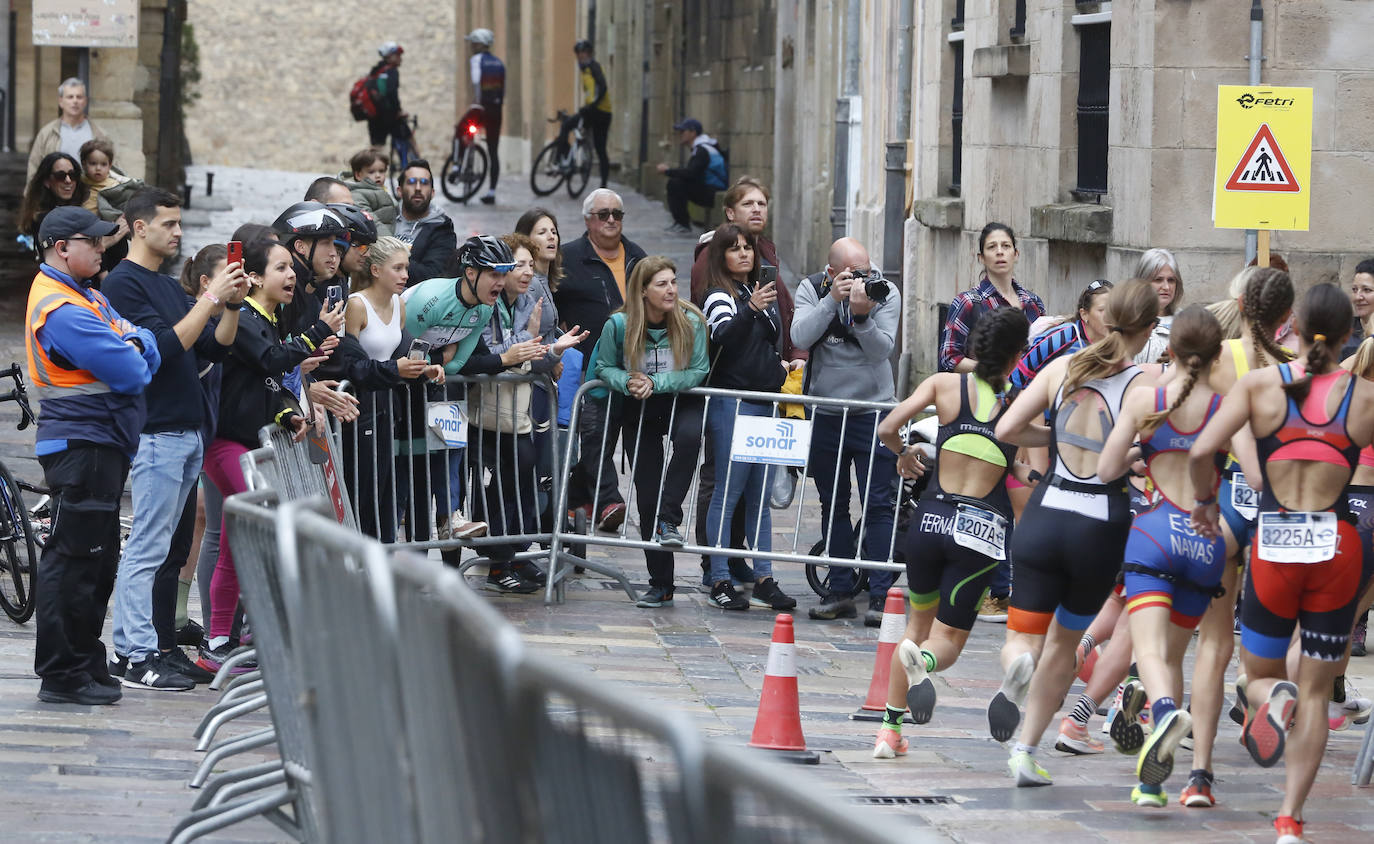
<point>875,287</point>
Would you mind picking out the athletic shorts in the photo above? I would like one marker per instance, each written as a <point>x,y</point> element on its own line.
<point>1066,556</point>
<point>1162,541</point>
<point>1242,528</point>
<point>940,571</point>
<point>1360,501</point>
<point>1320,597</point>
<point>1140,501</point>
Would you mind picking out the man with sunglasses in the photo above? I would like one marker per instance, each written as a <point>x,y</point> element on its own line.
<point>425,226</point>
<point>595,267</point>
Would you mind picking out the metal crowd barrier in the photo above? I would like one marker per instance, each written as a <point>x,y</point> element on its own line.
<point>469,737</point>
<point>792,525</point>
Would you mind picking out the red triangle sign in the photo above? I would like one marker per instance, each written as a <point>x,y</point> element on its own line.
<point>1263,167</point>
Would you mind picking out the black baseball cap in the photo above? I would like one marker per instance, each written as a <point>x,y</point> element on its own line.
<point>690,123</point>
<point>67,221</point>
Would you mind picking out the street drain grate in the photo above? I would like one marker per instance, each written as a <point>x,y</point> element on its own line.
<point>903,800</point>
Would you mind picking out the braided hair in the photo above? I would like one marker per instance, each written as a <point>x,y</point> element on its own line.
<point>1324,320</point>
<point>995,342</point>
<point>1195,340</point>
<point>1268,296</point>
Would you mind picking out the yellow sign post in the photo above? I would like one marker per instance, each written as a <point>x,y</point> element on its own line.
<point>1264,158</point>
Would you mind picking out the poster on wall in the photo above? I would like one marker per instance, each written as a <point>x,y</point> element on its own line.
<point>85,23</point>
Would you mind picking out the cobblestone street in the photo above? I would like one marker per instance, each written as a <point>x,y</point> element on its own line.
<point>118,774</point>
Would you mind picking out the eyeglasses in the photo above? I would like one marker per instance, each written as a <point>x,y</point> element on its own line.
<point>417,180</point>
<point>607,213</point>
<point>64,175</point>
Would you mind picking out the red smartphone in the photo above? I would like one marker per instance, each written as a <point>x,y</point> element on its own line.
<point>235,252</point>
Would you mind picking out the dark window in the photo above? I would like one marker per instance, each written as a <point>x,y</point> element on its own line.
<point>1018,29</point>
<point>1094,103</point>
<point>956,121</point>
<point>958,23</point>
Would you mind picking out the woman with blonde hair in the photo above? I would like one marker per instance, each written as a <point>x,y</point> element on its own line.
<point>652,349</point>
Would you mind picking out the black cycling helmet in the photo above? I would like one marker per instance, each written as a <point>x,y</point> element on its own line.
<point>362,226</point>
<point>583,46</point>
<point>309,219</point>
<point>486,253</point>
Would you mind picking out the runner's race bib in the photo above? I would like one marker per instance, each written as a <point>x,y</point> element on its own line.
<point>1297,537</point>
<point>1090,504</point>
<point>1244,499</point>
<point>981,530</point>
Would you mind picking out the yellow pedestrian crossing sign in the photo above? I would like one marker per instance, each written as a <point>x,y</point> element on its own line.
<point>1264,158</point>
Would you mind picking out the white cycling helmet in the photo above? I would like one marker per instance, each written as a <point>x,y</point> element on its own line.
<point>388,48</point>
<point>483,37</point>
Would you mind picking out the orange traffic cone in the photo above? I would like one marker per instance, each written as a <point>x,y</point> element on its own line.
<point>778,724</point>
<point>889,636</point>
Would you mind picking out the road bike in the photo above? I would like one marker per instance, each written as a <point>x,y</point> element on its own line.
<point>563,161</point>
<point>465,168</point>
<point>18,548</point>
<point>399,155</point>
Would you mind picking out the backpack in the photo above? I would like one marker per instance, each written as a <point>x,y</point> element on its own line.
<point>718,169</point>
<point>361,100</point>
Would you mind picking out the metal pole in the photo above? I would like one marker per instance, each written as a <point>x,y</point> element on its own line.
<point>1256,58</point>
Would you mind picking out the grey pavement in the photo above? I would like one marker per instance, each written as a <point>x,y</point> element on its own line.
<point>119,773</point>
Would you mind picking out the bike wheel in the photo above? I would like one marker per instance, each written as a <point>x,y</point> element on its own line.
<point>450,180</point>
<point>18,554</point>
<point>818,576</point>
<point>547,174</point>
<point>472,173</point>
<point>581,169</point>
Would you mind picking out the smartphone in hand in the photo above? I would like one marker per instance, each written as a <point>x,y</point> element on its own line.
<point>235,252</point>
<point>419,350</point>
<point>768,275</point>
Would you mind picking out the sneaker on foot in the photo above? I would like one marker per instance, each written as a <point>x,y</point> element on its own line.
<point>668,535</point>
<point>506,580</point>
<point>1156,760</point>
<point>994,609</point>
<point>489,198</point>
<point>1264,732</point>
<point>459,527</point>
<point>1288,830</point>
<point>177,661</point>
<point>1004,711</point>
<point>920,691</point>
<point>118,666</point>
<point>1126,732</point>
<point>1358,708</point>
<point>1240,709</point>
<point>1336,716</point>
<point>725,596</point>
<point>154,673</point>
<point>1026,771</point>
<point>889,745</point>
<point>531,572</point>
<point>657,596</point>
<point>832,608</point>
<point>1155,797</point>
<point>1075,738</point>
<point>768,595</point>
<point>190,633</point>
<point>1198,793</point>
<point>90,694</point>
<point>612,517</point>
<point>212,658</point>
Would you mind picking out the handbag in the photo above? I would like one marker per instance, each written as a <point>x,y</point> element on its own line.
<point>503,407</point>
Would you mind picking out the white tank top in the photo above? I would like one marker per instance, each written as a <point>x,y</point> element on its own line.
<point>380,339</point>
<point>1110,390</point>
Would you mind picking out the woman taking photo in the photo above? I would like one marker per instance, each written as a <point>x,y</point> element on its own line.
<point>375,318</point>
<point>1171,573</point>
<point>1310,420</point>
<point>959,530</point>
<point>743,324</point>
<point>251,396</point>
<point>1056,588</point>
<point>997,254</point>
<point>652,349</point>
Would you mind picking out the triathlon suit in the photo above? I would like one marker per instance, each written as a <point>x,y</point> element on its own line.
<point>1167,563</point>
<point>1235,499</point>
<point>1360,500</point>
<point>955,542</point>
<point>1069,545</point>
<point>1305,567</point>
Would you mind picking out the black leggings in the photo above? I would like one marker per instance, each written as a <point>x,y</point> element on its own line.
<point>507,501</point>
<point>941,572</point>
<point>368,470</point>
<point>649,477</point>
<point>491,122</point>
<point>599,125</point>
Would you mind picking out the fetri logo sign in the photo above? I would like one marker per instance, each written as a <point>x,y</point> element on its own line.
<point>761,439</point>
<point>1249,100</point>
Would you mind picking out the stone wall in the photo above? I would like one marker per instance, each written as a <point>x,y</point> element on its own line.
<point>275,79</point>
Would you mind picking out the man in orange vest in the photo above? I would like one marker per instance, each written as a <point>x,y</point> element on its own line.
<point>88,367</point>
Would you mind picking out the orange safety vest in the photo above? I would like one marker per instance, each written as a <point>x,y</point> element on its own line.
<point>48,379</point>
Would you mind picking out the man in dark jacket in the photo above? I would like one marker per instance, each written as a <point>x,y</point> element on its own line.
<point>386,94</point>
<point>595,268</point>
<point>423,225</point>
<point>698,182</point>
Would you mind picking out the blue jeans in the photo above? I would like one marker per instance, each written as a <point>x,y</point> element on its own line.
<point>829,464</point>
<point>164,472</point>
<point>747,480</point>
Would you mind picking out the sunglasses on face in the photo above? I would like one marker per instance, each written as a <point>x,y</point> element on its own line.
<point>417,180</point>
<point>607,213</point>
<point>501,268</point>
<point>64,175</point>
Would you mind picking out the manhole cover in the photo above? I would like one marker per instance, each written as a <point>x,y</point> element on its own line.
<point>903,800</point>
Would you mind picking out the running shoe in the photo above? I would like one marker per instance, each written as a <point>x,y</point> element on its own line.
<point>1336,716</point>
<point>507,581</point>
<point>1113,710</point>
<point>1026,771</point>
<point>1127,733</point>
<point>154,673</point>
<point>212,658</point>
<point>656,597</point>
<point>190,633</point>
<point>611,518</point>
<point>1264,733</point>
<point>1004,711</point>
<point>668,535</point>
<point>920,691</point>
<point>768,595</point>
<point>1241,707</point>
<point>994,609</point>
<point>1359,708</point>
<point>725,596</point>
<point>1152,798</point>
<point>1156,760</point>
<point>1288,830</point>
<point>1074,738</point>
<point>531,572</point>
<point>889,745</point>
<point>1197,794</point>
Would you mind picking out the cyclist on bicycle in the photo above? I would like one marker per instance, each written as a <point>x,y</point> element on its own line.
<point>488,91</point>
<point>595,113</point>
<point>386,93</point>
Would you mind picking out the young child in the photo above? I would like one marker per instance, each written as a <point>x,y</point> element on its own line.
<point>366,178</point>
<point>97,168</point>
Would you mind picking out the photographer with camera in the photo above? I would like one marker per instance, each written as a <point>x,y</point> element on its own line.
<point>847,316</point>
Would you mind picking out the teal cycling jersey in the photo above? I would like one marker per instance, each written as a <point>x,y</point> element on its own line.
<point>436,314</point>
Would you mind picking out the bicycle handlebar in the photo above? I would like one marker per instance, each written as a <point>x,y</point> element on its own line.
<point>18,395</point>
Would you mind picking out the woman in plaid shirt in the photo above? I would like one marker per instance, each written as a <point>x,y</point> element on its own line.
<point>997,253</point>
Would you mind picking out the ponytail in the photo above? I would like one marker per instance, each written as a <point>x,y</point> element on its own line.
<point>202,264</point>
<point>995,343</point>
<point>1268,296</point>
<point>1363,364</point>
<point>1324,322</point>
<point>1153,420</point>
